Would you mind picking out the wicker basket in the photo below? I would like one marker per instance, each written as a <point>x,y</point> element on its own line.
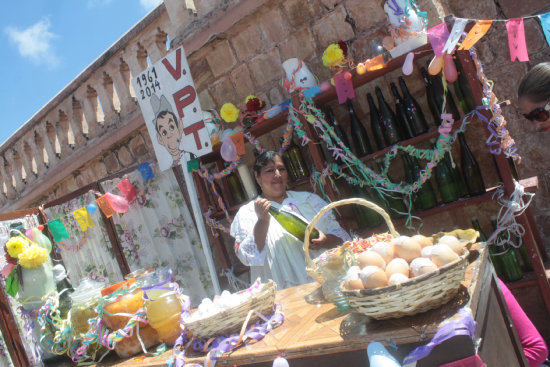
<point>417,295</point>
<point>231,320</point>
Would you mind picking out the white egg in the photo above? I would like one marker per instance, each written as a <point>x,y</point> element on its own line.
<point>397,278</point>
<point>398,240</point>
<point>384,249</point>
<point>421,265</point>
<point>442,254</point>
<point>373,277</point>
<point>352,273</point>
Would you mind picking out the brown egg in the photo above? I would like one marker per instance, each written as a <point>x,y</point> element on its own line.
<point>408,249</point>
<point>397,265</point>
<point>373,277</point>
<point>367,258</point>
<point>384,249</point>
<point>454,243</point>
<point>426,251</point>
<point>397,278</point>
<point>443,254</point>
<point>423,241</point>
<point>355,284</point>
<point>421,265</point>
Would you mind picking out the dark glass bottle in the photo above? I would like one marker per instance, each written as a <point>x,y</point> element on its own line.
<point>375,123</point>
<point>387,120</point>
<point>434,109</point>
<point>437,92</point>
<point>446,182</point>
<point>236,188</point>
<point>288,163</point>
<point>337,129</point>
<point>401,113</point>
<point>510,263</point>
<point>465,90</point>
<point>470,169</point>
<point>493,251</point>
<point>416,118</point>
<point>297,160</point>
<point>425,196</point>
<point>359,135</point>
<point>457,176</point>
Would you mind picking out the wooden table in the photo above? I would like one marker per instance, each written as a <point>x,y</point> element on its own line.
<point>316,334</point>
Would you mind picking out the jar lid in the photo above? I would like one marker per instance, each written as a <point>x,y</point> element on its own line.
<point>157,276</point>
<point>86,290</point>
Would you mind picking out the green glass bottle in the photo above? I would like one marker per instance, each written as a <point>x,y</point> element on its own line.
<point>366,218</point>
<point>415,116</point>
<point>293,224</point>
<point>375,124</point>
<point>388,122</point>
<point>359,137</point>
<point>337,129</point>
<point>446,181</point>
<point>425,196</point>
<point>236,188</point>
<point>470,168</point>
<point>464,86</point>
<point>493,251</point>
<point>510,263</point>
<point>288,163</point>
<point>295,156</point>
<point>457,176</point>
<point>527,264</point>
<point>432,104</point>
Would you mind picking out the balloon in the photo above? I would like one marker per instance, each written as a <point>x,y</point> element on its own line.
<point>450,69</point>
<point>408,64</point>
<point>28,233</point>
<point>280,362</point>
<point>228,150</point>
<point>325,86</point>
<point>380,357</point>
<point>118,203</point>
<point>347,75</point>
<point>435,65</point>
<point>226,133</point>
<point>91,208</point>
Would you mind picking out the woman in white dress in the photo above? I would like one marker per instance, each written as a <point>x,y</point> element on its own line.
<point>263,244</point>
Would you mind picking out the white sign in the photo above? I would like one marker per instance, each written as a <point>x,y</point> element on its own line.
<point>170,106</point>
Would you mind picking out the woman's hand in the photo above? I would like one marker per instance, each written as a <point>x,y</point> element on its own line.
<point>325,241</point>
<point>261,206</point>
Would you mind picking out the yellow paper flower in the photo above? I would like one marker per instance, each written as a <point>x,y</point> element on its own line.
<point>333,55</point>
<point>16,245</point>
<point>229,112</point>
<point>33,256</point>
<point>249,98</point>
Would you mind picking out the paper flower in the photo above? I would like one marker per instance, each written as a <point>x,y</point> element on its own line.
<point>16,245</point>
<point>344,47</point>
<point>333,55</point>
<point>253,103</point>
<point>33,256</point>
<point>229,112</point>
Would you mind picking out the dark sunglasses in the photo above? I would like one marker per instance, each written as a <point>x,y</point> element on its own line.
<point>539,114</point>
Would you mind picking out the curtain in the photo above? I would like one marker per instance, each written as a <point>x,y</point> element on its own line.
<point>86,254</point>
<point>158,230</point>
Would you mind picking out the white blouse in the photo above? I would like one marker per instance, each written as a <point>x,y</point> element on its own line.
<point>282,258</point>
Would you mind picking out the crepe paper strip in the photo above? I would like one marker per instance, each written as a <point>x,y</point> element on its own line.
<point>255,143</point>
<point>438,36</point>
<point>58,230</point>
<point>193,165</point>
<point>516,39</point>
<point>127,189</point>
<point>545,24</point>
<point>344,88</point>
<point>456,33</point>
<point>146,171</point>
<point>105,206</point>
<point>83,219</point>
<point>476,33</point>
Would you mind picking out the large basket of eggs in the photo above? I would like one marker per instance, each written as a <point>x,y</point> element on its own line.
<point>396,276</point>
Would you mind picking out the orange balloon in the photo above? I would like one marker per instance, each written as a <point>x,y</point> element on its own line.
<point>435,65</point>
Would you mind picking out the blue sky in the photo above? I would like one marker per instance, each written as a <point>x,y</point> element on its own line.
<point>46,43</point>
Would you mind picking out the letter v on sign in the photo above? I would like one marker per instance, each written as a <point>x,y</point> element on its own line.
<point>175,72</point>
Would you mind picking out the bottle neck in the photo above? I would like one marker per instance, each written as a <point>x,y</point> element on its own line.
<point>404,88</point>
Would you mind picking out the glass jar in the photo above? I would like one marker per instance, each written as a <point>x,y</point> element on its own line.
<point>85,299</point>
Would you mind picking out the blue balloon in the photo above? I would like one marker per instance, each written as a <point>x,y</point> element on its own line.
<point>91,208</point>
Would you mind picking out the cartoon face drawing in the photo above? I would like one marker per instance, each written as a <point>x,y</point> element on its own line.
<point>169,133</point>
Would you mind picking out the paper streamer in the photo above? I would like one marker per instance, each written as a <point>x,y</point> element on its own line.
<point>545,23</point>
<point>58,230</point>
<point>344,88</point>
<point>516,39</point>
<point>438,36</point>
<point>476,33</point>
<point>456,33</point>
<point>127,189</point>
<point>83,219</point>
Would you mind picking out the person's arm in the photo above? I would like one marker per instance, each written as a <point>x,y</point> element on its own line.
<point>242,229</point>
<point>261,207</point>
<point>335,235</point>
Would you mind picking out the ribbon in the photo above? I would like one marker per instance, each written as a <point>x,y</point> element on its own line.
<point>476,33</point>
<point>438,36</point>
<point>456,33</point>
<point>83,219</point>
<point>516,39</point>
<point>545,24</point>
<point>58,230</point>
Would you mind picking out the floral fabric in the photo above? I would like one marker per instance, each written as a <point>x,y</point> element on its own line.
<point>158,230</point>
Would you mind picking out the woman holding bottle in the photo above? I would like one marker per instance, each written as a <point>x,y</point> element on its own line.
<point>534,95</point>
<point>263,244</point>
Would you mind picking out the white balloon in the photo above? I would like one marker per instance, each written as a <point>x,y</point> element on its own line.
<point>408,64</point>
<point>280,362</point>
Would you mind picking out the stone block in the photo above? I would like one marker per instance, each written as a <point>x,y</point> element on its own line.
<point>534,37</point>
<point>124,156</point>
<point>98,170</point>
<point>300,12</point>
<point>330,4</point>
<point>242,82</point>
<point>201,72</point>
<point>247,40</point>
<point>474,9</point>
<point>367,47</point>
<point>515,9</point>
<point>67,186</point>
<point>332,28</point>
<point>276,95</point>
<point>266,67</point>
<point>223,92</point>
<point>366,14</point>
<point>274,25</point>
<point>206,6</point>
<point>300,44</point>
<point>221,58</point>
<point>111,163</point>
<point>207,103</point>
<point>137,146</point>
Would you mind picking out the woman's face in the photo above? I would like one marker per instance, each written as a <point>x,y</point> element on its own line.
<point>273,179</point>
<point>527,107</point>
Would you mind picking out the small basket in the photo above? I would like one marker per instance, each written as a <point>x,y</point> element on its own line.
<point>416,295</point>
<point>231,320</point>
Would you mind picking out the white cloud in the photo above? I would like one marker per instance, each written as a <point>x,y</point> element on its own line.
<point>34,43</point>
<point>149,4</point>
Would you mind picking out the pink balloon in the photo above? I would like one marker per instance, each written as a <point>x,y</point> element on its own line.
<point>450,69</point>
<point>325,86</point>
<point>228,150</point>
<point>118,203</point>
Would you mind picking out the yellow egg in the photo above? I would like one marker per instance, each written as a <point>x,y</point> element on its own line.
<point>408,249</point>
<point>423,241</point>
<point>355,284</point>
<point>373,277</point>
<point>420,266</point>
<point>384,249</point>
<point>370,258</point>
<point>397,278</point>
<point>442,254</point>
<point>397,266</point>
<point>454,243</point>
